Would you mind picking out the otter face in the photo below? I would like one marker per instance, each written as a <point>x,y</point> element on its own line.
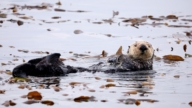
<point>141,50</point>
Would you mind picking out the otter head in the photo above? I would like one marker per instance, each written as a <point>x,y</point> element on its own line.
<point>141,50</point>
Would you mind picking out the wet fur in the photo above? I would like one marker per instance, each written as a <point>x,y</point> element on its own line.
<point>43,67</point>
<point>50,65</point>
<point>135,59</point>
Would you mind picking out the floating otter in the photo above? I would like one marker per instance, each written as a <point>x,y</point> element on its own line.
<point>47,66</point>
<point>139,57</point>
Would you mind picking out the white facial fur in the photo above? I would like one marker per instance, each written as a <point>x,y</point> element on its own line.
<point>135,52</point>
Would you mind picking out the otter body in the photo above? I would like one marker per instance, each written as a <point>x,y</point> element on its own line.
<point>126,63</point>
<point>43,67</point>
<point>136,64</point>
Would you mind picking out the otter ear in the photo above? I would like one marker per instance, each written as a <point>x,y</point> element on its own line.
<point>119,51</point>
<point>128,49</point>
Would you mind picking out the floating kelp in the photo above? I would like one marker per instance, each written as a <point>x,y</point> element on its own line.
<point>80,11</point>
<point>58,3</point>
<point>91,90</point>
<point>188,55</point>
<point>56,17</point>
<point>75,83</point>
<point>110,85</point>
<point>84,99</point>
<point>25,51</point>
<point>190,103</point>
<point>188,34</point>
<point>136,101</point>
<point>34,95</point>
<point>78,31</point>
<point>131,92</point>
<point>43,6</point>
<point>2,91</point>
<point>97,78</point>
<point>189,20</point>
<point>171,17</point>
<point>59,10</point>
<point>176,76</point>
<point>47,102</point>
<point>115,13</point>
<point>97,22</point>
<point>2,15</point>
<point>173,58</point>
<point>20,23</point>
<point>29,102</point>
<point>179,26</point>
<point>26,17</point>
<point>40,52</point>
<point>185,47</point>
<point>190,42</point>
<point>9,103</point>
<point>109,80</point>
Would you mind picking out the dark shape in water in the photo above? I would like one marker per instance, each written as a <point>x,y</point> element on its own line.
<point>189,20</point>
<point>171,17</point>
<point>156,19</point>
<point>80,11</point>
<point>179,26</point>
<point>171,48</point>
<point>115,13</point>
<point>39,7</point>
<point>47,66</point>
<point>56,17</point>
<point>19,23</point>
<point>2,15</point>
<point>97,22</point>
<point>59,10</point>
<point>188,34</point>
<point>78,32</point>
<point>185,47</point>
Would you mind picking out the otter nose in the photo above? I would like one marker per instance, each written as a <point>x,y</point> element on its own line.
<point>143,48</point>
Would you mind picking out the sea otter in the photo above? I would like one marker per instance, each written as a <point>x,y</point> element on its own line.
<point>139,57</point>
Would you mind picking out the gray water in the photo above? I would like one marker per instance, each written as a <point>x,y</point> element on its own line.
<point>34,36</point>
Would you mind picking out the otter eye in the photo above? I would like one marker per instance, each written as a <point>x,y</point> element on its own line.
<point>149,46</point>
<point>135,45</point>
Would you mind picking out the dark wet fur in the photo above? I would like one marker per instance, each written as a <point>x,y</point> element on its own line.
<point>47,66</point>
<point>129,63</point>
<point>50,65</point>
<point>124,63</point>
